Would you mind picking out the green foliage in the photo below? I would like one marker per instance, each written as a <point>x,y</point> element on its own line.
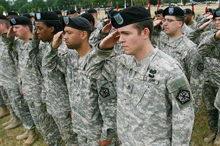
<point>2,9</point>
<point>5,4</point>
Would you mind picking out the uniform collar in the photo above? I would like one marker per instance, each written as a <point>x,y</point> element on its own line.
<point>144,64</point>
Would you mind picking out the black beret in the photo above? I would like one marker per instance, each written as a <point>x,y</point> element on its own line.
<point>209,10</point>
<point>91,10</point>
<point>47,17</point>
<point>216,13</point>
<point>71,12</point>
<point>173,11</point>
<point>20,21</point>
<point>89,17</point>
<point>26,15</point>
<point>12,14</point>
<point>3,17</point>
<point>187,11</point>
<point>160,11</point>
<point>77,23</point>
<point>109,11</point>
<point>130,15</point>
<point>57,12</point>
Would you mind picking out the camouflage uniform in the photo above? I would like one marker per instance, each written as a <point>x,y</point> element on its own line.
<point>202,20</point>
<point>208,48</point>
<point>193,26</point>
<point>150,110</point>
<point>4,101</point>
<point>186,29</point>
<point>184,51</point>
<point>93,111</point>
<point>30,77</point>
<point>9,79</point>
<point>57,100</point>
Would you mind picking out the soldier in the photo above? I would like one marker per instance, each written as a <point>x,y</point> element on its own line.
<point>3,97</point>
<point>159,14</point>
<point>188,19</point>
<point>10,15</point>
<point>5,24</point>
<point>154,105</point>
<point>71,13</point>
<point>56,98</point>
<point>22,28</point>
<point>3,108</point>
<point>93,110</point>
<point>209,47</point>
<point>177,45</point>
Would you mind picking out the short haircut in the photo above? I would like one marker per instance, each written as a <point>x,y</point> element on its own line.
<point>180,19</point>
<point>57,26</point>
<point>6,22</point>
<point>30,27</point>
<point>143,24</point>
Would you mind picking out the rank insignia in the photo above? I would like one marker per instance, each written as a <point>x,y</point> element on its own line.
<point>13,21</point>
<point>183,96</point>
<point>171,10</point>
<point>153,71</point>
<point>118,18</point>
<point>217,13</point>
<point>66,20</point>
<point>200,67</point>
<point>104,92</point>
<point>38,16</point>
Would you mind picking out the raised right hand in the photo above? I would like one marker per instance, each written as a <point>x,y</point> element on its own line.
<point>57,40</point>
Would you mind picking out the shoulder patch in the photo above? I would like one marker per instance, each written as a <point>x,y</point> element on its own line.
<point>183,96</point>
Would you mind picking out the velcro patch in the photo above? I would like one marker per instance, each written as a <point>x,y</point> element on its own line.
<point>183,96</point>
<point>200,67</point>
<point>104,92</point>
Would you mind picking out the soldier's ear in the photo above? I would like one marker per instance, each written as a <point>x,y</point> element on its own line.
<point>146,32</point>
<point>52,29</point>
<point>84,34</point>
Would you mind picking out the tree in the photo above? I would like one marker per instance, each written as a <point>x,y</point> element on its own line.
<point>5,4</point>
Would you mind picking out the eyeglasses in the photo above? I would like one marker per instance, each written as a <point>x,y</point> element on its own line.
<point>169,20</point>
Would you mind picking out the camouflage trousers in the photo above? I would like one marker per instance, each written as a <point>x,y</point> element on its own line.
<point>4,101</point>
<point>20,107</point>
<point>209,94</point>
<point>42,119</point>
<point>83,141</point>
<point>64,123</point>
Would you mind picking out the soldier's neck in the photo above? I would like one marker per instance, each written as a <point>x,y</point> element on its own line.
<point>29,35</point>
<point>176,35</point>
<point>84,49</point>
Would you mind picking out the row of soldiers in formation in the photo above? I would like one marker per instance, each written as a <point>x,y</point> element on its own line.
<point>124,80</point>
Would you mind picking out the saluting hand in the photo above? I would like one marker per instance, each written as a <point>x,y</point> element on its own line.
<point>202,27</point>
<point>10,32</point>
<point>109,41</point>
<point>107,28</point>
<point>104,143</point>
<point>157,22</point>
<point>217,35</point>
<point>57,40</point>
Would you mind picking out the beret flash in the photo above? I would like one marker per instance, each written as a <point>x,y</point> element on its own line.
<point>20,21</point>
<point>77,23</point>
<point>173,11</point>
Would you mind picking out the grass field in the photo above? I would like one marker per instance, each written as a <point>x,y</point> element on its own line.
<point>7,138</point>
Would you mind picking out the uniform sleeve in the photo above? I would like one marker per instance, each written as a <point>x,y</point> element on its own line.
<point>107,99</point>
<point>96,36</point>
<point>195,69</point>
<point>182,110</point>
<point>209,47</point>
<point>53,60</point>
<point>195,35</point>
<point>103,70</point>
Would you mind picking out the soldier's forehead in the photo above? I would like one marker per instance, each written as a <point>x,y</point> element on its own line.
<point>39,23</point>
